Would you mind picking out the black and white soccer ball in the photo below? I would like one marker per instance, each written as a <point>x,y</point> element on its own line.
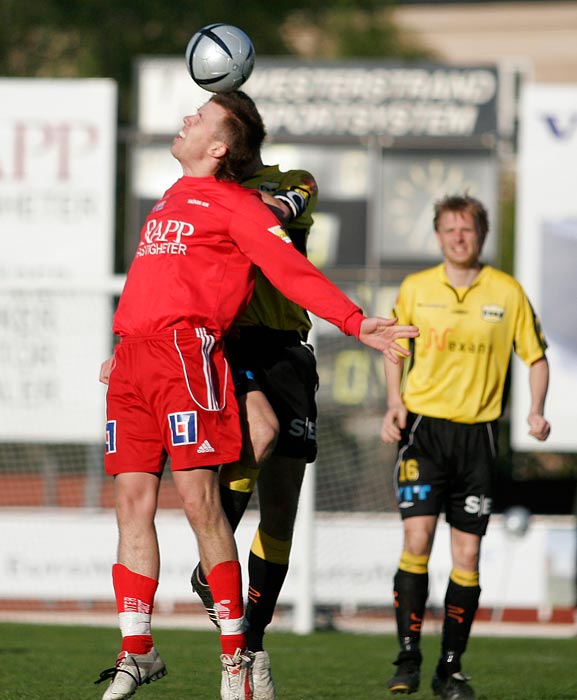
<point>220,57</point>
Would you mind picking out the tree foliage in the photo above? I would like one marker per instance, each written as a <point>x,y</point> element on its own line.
<point>102,38</point>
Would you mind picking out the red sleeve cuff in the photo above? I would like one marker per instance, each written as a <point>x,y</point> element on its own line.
<point>352,324</point>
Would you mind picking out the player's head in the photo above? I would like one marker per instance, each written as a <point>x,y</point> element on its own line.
<point>463,204</point>
<point>243,132</point>
<point>461,226</point>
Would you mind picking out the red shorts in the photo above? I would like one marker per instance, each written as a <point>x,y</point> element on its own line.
<point>170,395</point>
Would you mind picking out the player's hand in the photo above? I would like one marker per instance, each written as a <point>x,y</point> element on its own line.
<point>394,421</point>
<point>539,426</point>
<point>382,334</point>
<point>105,370</point>
<point>278,208</point>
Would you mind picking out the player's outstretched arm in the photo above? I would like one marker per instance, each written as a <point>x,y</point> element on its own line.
<point>383,333</point>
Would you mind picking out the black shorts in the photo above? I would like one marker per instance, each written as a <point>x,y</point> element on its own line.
<point>443,465</point>
<point>284,368</point>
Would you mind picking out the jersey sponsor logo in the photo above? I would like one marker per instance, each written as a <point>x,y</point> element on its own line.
<point>443,341</point>
<point>166,230</point>
<point>198,202</point>
<point>164,237</point>
<point>478,505</point>
<point>306,429</point>
<point>493,313</point>
<point>110,437</point>
<point>409,495</point>
<point>279,232</point>
<point>183,428</point>
<point>439,340</point>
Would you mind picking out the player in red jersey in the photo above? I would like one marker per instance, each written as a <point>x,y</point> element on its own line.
<point>169,389</point>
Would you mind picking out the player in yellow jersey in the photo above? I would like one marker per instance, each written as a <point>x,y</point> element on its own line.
<point>470,316</point>
<point>276,380</point>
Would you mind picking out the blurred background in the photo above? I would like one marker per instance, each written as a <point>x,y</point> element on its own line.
<point>391,105</point>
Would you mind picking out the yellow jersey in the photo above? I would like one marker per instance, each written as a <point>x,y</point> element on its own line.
<point>460,361</point>
<point>298,190</point>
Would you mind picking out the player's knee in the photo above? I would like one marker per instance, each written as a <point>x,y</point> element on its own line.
<point>466,549</point>
<point>135,506</point>
<point>263,440</point>
<point>418,543</point>
<point>466,558</point>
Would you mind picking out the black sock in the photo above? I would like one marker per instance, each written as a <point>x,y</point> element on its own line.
<point>234,504</point>
<point>265,582</point>
<point>411,591</point>
<point>461,603</point>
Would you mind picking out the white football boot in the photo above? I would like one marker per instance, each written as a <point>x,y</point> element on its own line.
<point>236,682</point>
<point>262,677</point>
<point>132,671</point>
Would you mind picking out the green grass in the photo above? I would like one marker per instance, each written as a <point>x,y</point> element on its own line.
<point>41,662</point>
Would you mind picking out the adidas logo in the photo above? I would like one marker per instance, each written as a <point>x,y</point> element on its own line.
<point>205,447</point>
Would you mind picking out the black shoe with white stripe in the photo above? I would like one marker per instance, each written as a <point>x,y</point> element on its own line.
<point>202,589</point>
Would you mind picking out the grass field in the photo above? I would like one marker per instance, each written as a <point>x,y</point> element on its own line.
<point>41,662</point>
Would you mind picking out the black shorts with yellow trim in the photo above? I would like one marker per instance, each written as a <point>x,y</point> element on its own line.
<point>284,368</point>
<point>447,466</point>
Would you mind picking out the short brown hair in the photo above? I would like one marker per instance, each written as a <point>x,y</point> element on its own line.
<point>463,203</point>
<point>243,132</point>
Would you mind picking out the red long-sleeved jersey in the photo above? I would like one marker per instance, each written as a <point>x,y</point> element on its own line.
<point>194,265</point>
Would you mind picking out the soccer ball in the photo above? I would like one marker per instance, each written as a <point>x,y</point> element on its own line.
<point>517,520</point>
<point>220,57</point>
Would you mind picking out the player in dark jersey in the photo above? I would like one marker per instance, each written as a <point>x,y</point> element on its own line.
<point>276,379</point>
<point>170,393</point>
<point>471,316</point>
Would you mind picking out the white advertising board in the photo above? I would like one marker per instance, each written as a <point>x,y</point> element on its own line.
<point>515,571</point>
<point>57,176</point>
<point>546,254</point>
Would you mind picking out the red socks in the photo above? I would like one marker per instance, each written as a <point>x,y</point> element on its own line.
<point>134,603</point>
<point>226,588</point>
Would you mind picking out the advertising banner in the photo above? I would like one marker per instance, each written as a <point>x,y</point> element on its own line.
<point>527,571</point>
<point>57,177</point>
<point>350,99</point>
<point>546,254</point>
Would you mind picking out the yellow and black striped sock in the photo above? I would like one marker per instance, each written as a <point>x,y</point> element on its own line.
<point>268,566</point>
<point>461,603</point>
<point>411,588</point>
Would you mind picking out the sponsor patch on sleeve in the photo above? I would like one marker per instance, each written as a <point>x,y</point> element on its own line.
<point>279,232</point>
